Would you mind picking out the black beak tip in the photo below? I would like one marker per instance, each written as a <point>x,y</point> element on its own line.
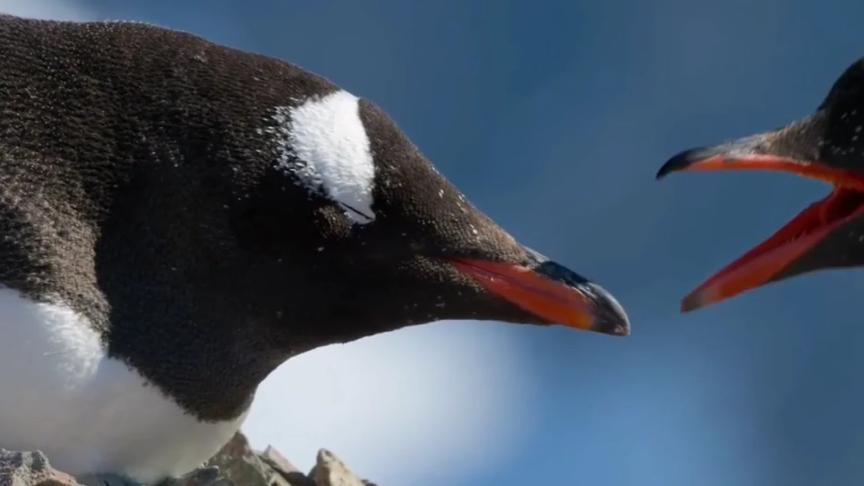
<point>609,315</point>
<point>613,328</point>
<point>683,159</point>
<point>612,325</point>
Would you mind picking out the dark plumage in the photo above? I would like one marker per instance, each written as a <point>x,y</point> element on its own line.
<point>149,183</point>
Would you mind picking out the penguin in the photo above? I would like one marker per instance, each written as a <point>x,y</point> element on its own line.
<point>179,218</point>
<point>827,145</point>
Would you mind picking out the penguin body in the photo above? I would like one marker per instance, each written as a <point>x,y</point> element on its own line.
<point>178,218</point>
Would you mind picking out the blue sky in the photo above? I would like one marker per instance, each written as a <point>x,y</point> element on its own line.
<point>553,118</point>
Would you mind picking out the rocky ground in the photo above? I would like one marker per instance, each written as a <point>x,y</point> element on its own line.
<point>236,464</point>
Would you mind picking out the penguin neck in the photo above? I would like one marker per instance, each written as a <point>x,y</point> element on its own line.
<point>210,353</point>
<point>208,331</point>
<point>205,356</point>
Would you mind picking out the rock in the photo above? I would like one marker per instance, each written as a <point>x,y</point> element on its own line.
<point>276,460</point>
<point>203,476</point>
<point>237,464</point>
<point>283,466</point>
<point>30,469</point>
<point>330,471</point>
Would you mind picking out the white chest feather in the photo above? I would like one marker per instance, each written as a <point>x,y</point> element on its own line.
<point>60,393</point>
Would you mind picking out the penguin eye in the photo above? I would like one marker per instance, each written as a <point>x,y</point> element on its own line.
<point>368,218</point>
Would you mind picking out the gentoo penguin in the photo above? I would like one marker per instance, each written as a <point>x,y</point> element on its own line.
<point>827,145</point>
<point>178,218</point>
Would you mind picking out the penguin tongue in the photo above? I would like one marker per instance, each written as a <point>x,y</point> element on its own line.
<point>551,292</point>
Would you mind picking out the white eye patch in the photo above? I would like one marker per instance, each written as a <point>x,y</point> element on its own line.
<point>323,142</point>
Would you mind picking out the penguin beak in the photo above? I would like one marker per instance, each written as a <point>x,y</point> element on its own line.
<point>551,292</point>
<point>801,245</point>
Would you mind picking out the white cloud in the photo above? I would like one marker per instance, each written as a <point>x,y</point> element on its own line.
<point>47,9</point>
<point>418,406</point>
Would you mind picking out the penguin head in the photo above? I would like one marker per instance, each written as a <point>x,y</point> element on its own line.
<point>367,236</point>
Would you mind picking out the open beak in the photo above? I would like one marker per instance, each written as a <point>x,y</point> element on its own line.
<point>794,149</point>
<point>551,292</point>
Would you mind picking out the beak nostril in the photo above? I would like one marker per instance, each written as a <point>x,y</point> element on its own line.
<point>560,273</point>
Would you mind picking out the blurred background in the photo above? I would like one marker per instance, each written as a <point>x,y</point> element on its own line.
<point>553,118</point>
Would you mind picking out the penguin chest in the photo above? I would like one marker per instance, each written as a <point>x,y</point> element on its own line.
<point>60,393</point>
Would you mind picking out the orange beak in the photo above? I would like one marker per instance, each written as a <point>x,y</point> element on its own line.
<point>551,292</point>
<point>781,255</point>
